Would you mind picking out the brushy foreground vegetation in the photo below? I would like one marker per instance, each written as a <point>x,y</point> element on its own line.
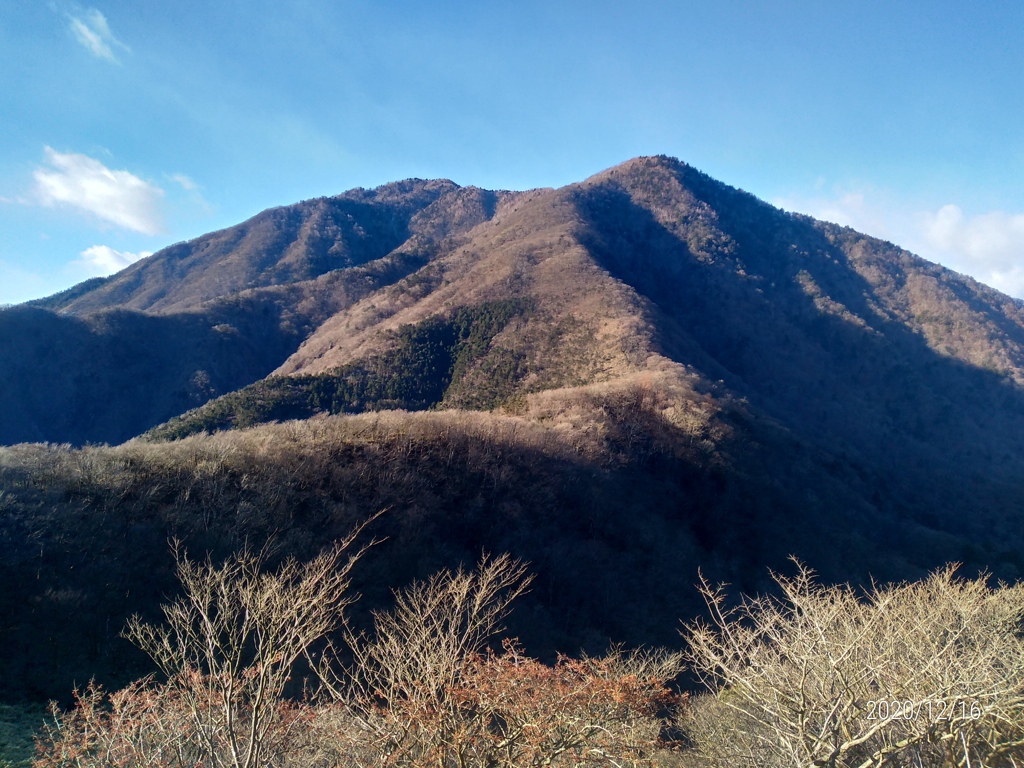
<point>918,674</point>
<point>422,690</point>
<point>922,674</point>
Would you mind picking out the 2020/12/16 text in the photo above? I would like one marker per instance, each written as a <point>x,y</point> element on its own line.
<point>930,709</point>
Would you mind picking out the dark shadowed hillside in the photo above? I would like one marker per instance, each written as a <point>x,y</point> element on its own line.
<point>621,381</point>
<point>849,341</point>
<point>613,504</point>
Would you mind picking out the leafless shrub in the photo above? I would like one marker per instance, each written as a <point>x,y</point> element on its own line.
<point>420,646</point>
<point>422,689</point>
<point>929,673</point>
<point>423,692</point>
<point>146,724</point>
<point>227,650</point>
<point>580,712</point>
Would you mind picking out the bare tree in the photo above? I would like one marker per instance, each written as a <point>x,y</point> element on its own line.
<point>425,691</point>
<point>230,642</point>
<point>419,647</point>
<point>923,674</point>
<point>415,656</point>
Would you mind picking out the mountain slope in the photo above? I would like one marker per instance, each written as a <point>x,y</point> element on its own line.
<point>847,341</point>
<point>111,358</point>
<point>666,372</point>
<point>368,300</point>
<point>291,244</point>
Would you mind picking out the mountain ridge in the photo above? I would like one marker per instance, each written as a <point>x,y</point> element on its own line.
<point>621,380</point>
<point>661,258</point>
<point>282,245</point>
<point>846,340</point>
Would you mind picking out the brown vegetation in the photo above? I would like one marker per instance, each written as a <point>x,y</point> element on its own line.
<point>615,492</point>
<point>929,673</point>
<point>901,369</point>
<point>695,378</point>
<point>419,692</point>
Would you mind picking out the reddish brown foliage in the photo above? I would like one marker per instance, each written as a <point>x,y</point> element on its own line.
<point>580,711</point>
<point>164,726</point>
<point>511,710</point>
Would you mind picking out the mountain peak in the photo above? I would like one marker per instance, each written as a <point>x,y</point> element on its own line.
<point>619,381</point>
<point>412,192</point>
<point>639,166</point>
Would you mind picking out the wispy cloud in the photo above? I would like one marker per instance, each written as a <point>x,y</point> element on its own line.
<point>862,209</point>
<point>90,28</point>
<point>986,246</point>
<point>102,260</point>
<point>184,182</point>
<point>116,197</point>
<point>995,238</point>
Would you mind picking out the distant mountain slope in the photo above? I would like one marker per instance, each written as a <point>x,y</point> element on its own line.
<point>291,244</point>
<point>203,318</point>
<point>586,327</point>
<point>847,340</point>
<point>98,378</point>
<point>676,375</point>
<point>844,339</point>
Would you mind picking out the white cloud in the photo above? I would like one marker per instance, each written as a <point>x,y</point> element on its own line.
<point>184,182</point>
<point>989,246</point>
<point>90,28</point>
<point>859,209</point>
<point>116,197</point>
<point>102,260</point>
<point>995,238</point>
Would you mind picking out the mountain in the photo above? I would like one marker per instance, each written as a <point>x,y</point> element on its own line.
<point>111,358</point>
<point>620,380</point>
<point>847,341</point>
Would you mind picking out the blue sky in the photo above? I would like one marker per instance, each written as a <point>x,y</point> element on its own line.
<point>128,126</point>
